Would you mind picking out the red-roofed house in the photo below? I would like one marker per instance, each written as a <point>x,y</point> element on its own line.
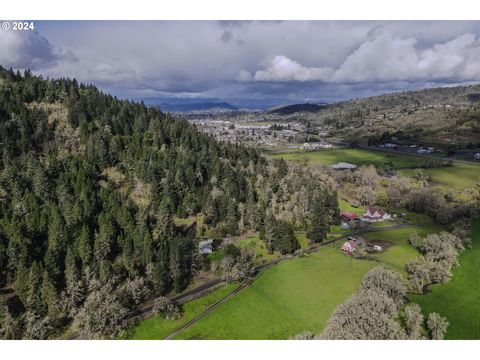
<point>348,216</point>
<point>375,214</point>
<point>349,246</point>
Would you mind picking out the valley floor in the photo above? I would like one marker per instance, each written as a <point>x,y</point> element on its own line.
<point>295,296</point>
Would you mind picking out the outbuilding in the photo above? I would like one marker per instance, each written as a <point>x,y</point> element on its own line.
<point>349,247</point>
<point>205,246</point>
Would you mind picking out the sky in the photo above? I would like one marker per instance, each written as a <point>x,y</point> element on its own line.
<point>249,63</point>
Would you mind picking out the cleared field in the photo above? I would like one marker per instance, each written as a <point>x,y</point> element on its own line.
<point>354,156</point>
<point>289,298</point>
<point>258,248</point>
<point>401,251</point>
<point>459,299</point>
<point>458,176</point>
<point>345,206</point>
<point>156,328</point>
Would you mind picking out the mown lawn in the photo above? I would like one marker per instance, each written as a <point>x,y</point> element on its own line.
<point>354,156</point>
<point>157,328</point>
<point>294,296</point>
<point>459,299</point>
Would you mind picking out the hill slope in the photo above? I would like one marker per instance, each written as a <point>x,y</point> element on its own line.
<point>449,115</point>
<point>89,187</point>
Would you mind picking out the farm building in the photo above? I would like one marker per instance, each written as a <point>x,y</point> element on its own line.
<point>349,246</point>
<point>205,246</point>
<point>377,248</point>
<point>375,214</point>
<point>348,216</point>
<point>343,166</point>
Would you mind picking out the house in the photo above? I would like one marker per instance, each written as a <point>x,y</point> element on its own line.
<point>377,248</point>
<point>348,216</point>
<point>343,166</point>
<point>477,156</point>
<point>349,246</point>
<point>205,246</point>
<point>375,214</point>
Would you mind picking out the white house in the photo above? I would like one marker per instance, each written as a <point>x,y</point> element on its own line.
<point>477,156</point>
<point>375,214</point>
<point>377,248</point>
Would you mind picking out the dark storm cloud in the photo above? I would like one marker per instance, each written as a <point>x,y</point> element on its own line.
<point>276,61</point>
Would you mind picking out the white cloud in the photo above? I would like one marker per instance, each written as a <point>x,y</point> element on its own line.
<point>386,58</point>
<point>290,59</point>
<point>244,75</point>
<point>284,69</point>
<point>20,49</point>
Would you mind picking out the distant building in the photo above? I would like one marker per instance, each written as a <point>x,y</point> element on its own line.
<point>375,214</point>
<point>348,216</point>
<point>423,151</point>
<point>343,166</point>
<point>316,146</point>
<point>205,246</point>
<point>377,248</point>
<point>349,246</point>
<point>477,156</point>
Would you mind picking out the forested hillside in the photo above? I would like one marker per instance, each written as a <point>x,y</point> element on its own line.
<point>89,188</point>
<point>449,114</point>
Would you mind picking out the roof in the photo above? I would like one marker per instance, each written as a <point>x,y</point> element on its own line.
<point>348,245</point>
<point>349,215</point>
<point>376,210</point>
<point>343,165</point>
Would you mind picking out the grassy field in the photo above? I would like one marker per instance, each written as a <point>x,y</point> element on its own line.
<point>459,299</point>
<point>156,328</point>
<point>258,248</point>
<point>458,176</point>
<point>401,252</point>
<point>345,206</point>
<point>354,156</point>
<point>289,298</point>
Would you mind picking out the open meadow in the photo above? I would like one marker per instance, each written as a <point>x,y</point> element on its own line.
<point>354,156</point>
<point>291,297</point>
<point>457,176</point>
<point>459,299</point>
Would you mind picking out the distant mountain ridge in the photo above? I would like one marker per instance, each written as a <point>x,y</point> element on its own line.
<point>200,106</point>
<point>291,109</point>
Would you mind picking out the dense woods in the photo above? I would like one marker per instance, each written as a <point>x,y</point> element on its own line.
<point>90,186</point>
